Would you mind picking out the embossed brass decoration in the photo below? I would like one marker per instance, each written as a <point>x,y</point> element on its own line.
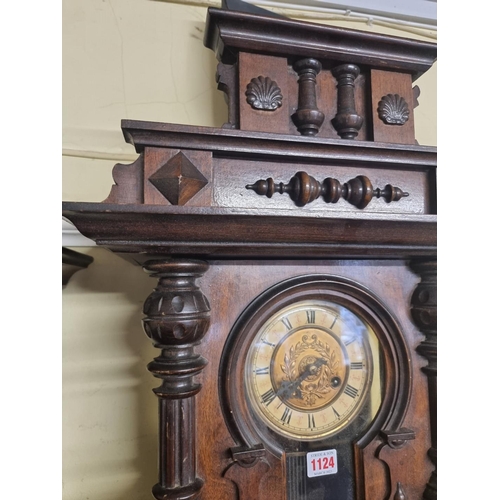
<point>309,367</point>
<point>304,189</point>
<point>264,93</point>
<point>393,110</point>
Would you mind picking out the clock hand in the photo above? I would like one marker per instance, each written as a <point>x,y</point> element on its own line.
<point>288,388</point>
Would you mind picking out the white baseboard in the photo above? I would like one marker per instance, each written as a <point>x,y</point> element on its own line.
<point>71,237</point>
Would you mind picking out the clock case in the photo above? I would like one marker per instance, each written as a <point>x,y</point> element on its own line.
<point>324,179</point>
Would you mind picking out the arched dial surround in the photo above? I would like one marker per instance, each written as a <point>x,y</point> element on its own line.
<point>309,369</point>
<point>313,360</point>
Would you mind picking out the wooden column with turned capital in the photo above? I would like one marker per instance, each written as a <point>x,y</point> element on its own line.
<point>177,318</point>
<point>424,313</point>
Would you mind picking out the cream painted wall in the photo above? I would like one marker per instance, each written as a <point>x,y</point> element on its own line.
<point>145,60</point>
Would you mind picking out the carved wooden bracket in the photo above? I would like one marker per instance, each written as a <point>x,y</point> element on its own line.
<point>395,452</point>
<point>304,189</point>
<point>346,122</point>
<point>397,439</point>
<point>177,318</point>
<point>308,118</point>
<point>248,470</point>
<point>226,78</point>
<point>248,457</point>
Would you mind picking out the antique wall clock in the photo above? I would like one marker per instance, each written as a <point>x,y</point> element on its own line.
<point>295,253</point>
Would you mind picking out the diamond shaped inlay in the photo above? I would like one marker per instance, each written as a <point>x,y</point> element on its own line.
<point>178,180</point>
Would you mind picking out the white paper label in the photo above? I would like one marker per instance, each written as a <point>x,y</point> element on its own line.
<point>321,463</point>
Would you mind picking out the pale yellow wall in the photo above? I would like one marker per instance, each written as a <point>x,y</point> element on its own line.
<point>145,60</point>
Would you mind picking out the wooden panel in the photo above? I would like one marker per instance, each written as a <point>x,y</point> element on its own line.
<point>199,161</point>
<point>231,177</point>
<point>384,83</point>
<point>275,68</point>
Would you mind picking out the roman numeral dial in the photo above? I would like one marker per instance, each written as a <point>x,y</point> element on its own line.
<point>309,369</point>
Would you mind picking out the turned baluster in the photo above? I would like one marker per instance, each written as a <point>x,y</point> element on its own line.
<point>346,122</point>
<point>308,118</point>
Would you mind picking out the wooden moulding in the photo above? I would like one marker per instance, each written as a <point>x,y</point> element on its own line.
<point>216,233</point>
<point>229,142</point>
<point>228,32</point>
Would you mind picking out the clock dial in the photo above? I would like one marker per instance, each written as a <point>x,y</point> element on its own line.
<point>309,369</point>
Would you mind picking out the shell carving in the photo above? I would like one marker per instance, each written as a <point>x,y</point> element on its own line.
<point>264,93</point>
<point>393,110</point>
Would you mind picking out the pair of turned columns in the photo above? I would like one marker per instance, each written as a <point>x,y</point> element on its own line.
<point>308,118</point>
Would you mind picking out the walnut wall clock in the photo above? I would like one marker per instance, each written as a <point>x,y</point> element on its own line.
<point>294,250</point>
